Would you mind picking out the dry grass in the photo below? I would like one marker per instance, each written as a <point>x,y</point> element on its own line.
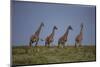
<point>44,55</point>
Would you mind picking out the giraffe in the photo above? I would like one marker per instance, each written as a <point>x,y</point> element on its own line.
<point>35,36</point>
<point>63,39</point>
<point>49,39</point>
<point>79,37</point>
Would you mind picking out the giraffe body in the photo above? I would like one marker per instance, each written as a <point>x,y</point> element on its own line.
<point>79,37</point>
<point>63,39</point>
<point>49,39</point>
<point>35,37</point>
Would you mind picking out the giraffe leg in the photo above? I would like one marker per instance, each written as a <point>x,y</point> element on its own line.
<point>45,44</point>
<point>58,44</point>
<point>36,43</point>
<point>64,45</point>
<point>51,44</point>
<point>48,44</point>
<point>80,44</point>
<point>75,43</point>
<point>35,48</point>
<point>30,43</point>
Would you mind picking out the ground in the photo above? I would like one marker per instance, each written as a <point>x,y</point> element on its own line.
<point>44,55</point>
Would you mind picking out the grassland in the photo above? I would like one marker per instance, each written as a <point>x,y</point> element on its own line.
<point>44,55</point>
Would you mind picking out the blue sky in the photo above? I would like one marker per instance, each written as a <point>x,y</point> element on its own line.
<point>27,16</point>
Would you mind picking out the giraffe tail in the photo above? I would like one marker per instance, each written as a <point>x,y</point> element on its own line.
<point>75,44</point>
<point>58,44</point>
<point>42,39</point>
<point>30,44</point>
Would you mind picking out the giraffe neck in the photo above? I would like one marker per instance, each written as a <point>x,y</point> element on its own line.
<point>81,31</point>
<point>67,31</point>
<point>53,32</point>
<point>38,31</point>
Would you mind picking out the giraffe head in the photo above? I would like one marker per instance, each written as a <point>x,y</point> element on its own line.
<point>81,25</point>
<point>70,28</point>
<point>55,28</point>
<point>42,24</point>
